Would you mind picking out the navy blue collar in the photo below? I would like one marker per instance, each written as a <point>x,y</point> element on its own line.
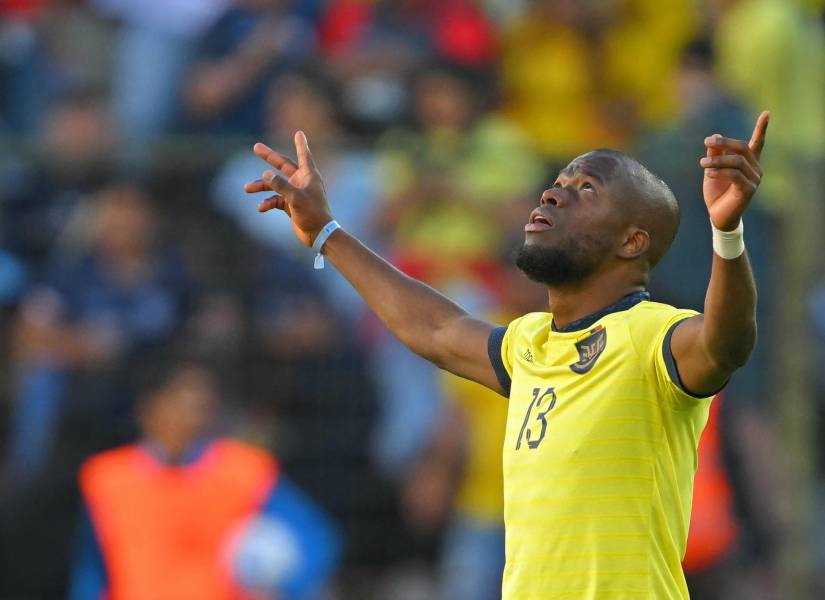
<point>623,303</point>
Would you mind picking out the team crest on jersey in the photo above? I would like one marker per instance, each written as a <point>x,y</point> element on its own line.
<point>590,347</point>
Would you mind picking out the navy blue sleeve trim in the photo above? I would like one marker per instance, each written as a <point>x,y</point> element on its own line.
<point>672,369</point>
<point>494,343</point>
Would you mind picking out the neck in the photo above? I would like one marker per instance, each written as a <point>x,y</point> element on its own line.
<point>172,452</point>
<point>571,303</point>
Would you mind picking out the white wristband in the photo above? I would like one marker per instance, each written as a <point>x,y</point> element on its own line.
<point>322,238</point>
<point>729,244</point>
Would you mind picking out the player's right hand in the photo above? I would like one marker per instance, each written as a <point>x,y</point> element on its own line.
<point>301,194</point>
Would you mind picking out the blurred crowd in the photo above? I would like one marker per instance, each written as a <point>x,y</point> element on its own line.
<point>126,241</point>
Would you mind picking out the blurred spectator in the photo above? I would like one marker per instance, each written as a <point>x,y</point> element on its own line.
<point>579,75</point>
<point>101,304</point>
<point>184,514</point>
<point>372,45</point>
<point>306,100</point>
<point>23,67</point>
<point>156,41</point>
<point>40,191</point>
<point>448,180</point>
<point>226,90</point>
<point>789,48</point>
<point>13,278</point>
<point>550,77</point>
<point>638,56</point>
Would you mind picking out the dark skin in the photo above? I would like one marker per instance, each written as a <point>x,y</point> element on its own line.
<point>591,195</point>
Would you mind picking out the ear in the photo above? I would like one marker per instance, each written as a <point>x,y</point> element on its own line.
<point>636,243</point>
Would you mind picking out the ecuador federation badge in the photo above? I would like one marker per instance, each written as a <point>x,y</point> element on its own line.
<point>590,347</point>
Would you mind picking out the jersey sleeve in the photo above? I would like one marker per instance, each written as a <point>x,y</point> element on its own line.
<point>666,370</point>
<point>498,349</point>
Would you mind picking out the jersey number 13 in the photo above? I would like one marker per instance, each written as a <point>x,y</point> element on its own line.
<point>534,429</point>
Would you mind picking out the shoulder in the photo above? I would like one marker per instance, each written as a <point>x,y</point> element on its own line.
<point>647,316</point>
<point>647,324</point>
<point>108,465</point>
<point>531,324</point>
<point>234,449</point>
<point>243,461</point>
<point>531,329</point>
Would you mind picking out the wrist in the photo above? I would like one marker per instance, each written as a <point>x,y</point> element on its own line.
<point>728,244</point>
<point>320,241</point>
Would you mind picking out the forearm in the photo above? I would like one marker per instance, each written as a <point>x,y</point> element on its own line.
<point>729,329</point>
<point>424,320</point>
<point>413,311</point>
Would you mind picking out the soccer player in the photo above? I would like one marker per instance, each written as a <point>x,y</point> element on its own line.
<point>608,391</point>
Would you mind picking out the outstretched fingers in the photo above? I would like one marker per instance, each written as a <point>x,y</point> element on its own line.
<point>718,145</point>
<point>253,187</point>
<point>276,159</point>
<point>275,201</point>
<point>735,176</point>
<point>270,181</point>
<point>757,141</point>
<point>733,161</point>
<point>302,149</point>
<point>277,183</point>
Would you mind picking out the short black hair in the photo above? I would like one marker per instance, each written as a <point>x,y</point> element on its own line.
<point>159,369</point>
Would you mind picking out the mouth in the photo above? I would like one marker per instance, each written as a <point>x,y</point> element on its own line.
<point>538,222</point>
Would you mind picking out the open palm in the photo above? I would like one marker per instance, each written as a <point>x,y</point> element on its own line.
<point>732,174</point>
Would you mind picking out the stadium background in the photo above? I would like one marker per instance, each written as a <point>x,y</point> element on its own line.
<point>125,130</point>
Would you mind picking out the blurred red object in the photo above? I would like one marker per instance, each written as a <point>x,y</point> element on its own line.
<point>713,524</point>
<point>21,8</point>
<point>458,30</point>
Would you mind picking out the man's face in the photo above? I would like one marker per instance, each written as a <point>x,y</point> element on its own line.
<point>180,412</point>
<point>575,228</point>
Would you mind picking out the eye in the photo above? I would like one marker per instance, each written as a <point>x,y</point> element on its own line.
<point>556,185</point>
<point>586,186</point>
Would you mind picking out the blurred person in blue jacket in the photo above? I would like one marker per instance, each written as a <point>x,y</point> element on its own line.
<point>155,44</point>
<point>112,296</point>
<point>225,90</point>
<point>187,514</point>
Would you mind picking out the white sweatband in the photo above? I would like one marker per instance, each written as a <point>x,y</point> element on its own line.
<point>729,244</point>
<point>322,238</point>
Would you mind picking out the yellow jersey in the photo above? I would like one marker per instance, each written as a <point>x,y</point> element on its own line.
<point>599,454</point>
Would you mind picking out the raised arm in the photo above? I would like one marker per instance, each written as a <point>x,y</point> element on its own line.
<point>424,320</point>
<point>710,347</point>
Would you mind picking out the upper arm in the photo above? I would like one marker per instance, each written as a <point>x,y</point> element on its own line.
<point>88,575</point>
<point>465,349</point>
<point>696,372</point>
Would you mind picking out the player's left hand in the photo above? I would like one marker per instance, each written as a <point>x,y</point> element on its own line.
<point>732,174</point>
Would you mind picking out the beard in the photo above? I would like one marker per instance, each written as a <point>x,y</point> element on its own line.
<point>566,264</point>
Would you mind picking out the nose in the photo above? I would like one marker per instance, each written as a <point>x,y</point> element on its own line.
<point>548,197</point>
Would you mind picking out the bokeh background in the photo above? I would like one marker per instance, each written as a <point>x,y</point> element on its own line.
<point>125,136</point>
